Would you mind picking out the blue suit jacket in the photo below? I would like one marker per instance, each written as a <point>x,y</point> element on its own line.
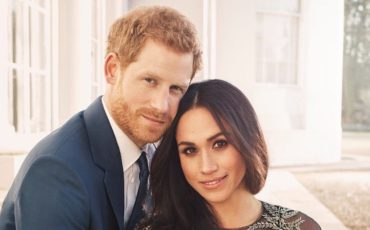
<point>72,179</point>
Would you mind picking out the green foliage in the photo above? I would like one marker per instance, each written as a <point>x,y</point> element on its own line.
<point>356,66</point>
<point>357,33</point>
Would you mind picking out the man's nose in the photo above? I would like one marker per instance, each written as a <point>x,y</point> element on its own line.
<point>160,100</point>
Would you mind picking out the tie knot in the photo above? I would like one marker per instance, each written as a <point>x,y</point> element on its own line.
<point>143,165</point>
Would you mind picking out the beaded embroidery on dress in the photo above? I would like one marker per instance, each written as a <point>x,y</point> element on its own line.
<point>273,217</point>
<point>277,217</point>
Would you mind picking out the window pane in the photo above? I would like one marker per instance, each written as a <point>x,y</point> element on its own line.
<point>270,72</point>
<point>96,45</point>
<point>94,19</point>
<point>259,72</point>
<point>284,72</point>
<point>39,117</point>
<point>40,3</point>
<point>16,33</point>
<point>37,40</point>
<point>15,96</point>
<point>277,42</point>
<point>28,76</point>
<point>291,6</point>
<point>12,98</point>
<point>94,71</point>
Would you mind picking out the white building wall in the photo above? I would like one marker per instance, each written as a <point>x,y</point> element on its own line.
<point>235,42</point>
<point>192,9</point>
<point>301,123</point>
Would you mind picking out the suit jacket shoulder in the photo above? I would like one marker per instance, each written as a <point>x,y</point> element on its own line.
<point>74,176</point>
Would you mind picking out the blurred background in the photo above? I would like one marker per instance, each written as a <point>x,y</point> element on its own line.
<point>304,65</point>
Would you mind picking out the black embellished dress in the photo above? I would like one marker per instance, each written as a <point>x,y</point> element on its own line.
<point>280,218</point>
<point>273,217</point>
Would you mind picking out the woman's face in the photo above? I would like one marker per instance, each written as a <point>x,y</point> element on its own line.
<point>211,165</point>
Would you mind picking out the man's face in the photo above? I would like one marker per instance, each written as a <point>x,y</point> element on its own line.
<point>143,97</point>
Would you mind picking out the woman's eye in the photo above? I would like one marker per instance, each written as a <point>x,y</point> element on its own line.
<point>220,144</point>
<point>188,151</point>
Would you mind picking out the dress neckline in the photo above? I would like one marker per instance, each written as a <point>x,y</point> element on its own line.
<point>263,210</point>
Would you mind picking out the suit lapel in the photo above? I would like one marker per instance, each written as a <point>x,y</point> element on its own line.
<point>106,155</point>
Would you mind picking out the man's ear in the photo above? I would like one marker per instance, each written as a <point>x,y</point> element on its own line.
<point>111,67</point>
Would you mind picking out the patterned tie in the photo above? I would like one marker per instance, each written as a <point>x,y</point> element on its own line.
<point>138,212</point>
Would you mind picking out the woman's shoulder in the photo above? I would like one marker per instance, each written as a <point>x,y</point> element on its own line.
<point>284,218</point>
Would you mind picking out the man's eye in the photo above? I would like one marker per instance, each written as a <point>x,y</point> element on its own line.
<point>150,80</point>
<point>177,89</point>
<point>220,144</point>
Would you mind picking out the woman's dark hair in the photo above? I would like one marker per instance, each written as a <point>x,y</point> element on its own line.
<point>176,204</point>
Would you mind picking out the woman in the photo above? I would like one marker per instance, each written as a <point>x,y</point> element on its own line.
<point>210,164</point>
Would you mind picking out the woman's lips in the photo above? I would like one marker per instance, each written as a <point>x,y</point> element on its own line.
<point>213,183</point>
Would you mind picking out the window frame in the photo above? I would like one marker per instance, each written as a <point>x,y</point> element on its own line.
<point>23,107</point>
<point>298,50</point>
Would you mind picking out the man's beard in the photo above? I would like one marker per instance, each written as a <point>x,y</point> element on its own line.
<point>128,121</point>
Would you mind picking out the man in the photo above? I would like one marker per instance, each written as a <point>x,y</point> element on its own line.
<point>85,175</point>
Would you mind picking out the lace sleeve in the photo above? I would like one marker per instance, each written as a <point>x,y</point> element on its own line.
<point>278,217</point>
<point>308,223</point>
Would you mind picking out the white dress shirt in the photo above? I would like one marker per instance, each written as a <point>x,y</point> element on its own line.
<point>130,153</point>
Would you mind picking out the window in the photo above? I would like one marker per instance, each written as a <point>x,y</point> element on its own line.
<point>97,55</point>
<point>277,25</point>
<point>28,65</point>
<point>356,63</point>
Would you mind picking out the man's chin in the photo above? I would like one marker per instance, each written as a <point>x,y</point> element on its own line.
<point>152,136</point>
<point>152,139</point>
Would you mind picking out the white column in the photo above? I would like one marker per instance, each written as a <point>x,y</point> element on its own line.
<point>324,79</point>
<point>5,128</point>
<point>74,57</point>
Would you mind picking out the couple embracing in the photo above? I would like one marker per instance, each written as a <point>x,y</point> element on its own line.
<point>156,151</point>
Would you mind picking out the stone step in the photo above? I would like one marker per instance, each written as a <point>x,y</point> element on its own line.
<point>9,166</point>
<point>13,150</point>
<point>284,189</point>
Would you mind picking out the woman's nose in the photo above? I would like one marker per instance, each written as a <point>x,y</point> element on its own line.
<point>208,164</point>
